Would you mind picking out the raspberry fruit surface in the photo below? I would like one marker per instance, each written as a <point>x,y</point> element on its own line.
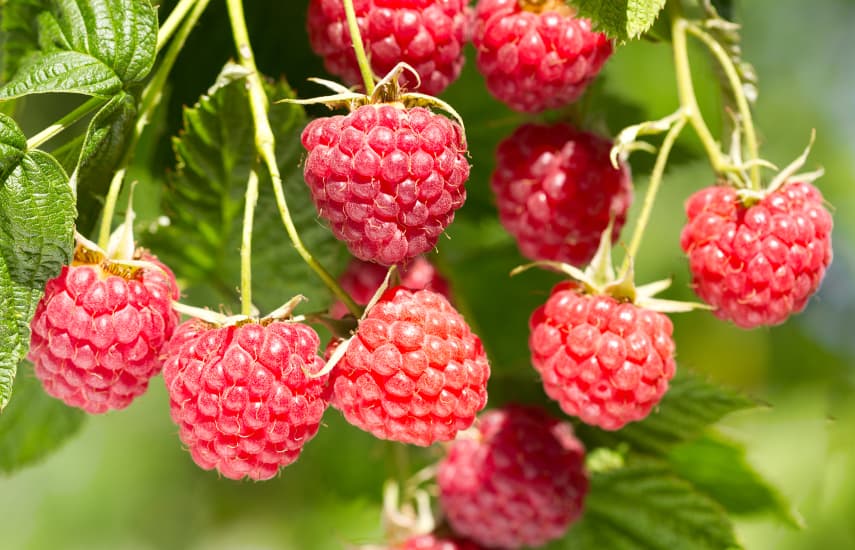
<point>426,34</point>
<point>386,178</point>
<point>536,58</point>
<point>362,279</point>
<point>757,265</point>
<point>98,333</point>
<point>606,362</point>
<point>414,372</point>
<point>556,191</point>
<point>241,397</point>
<point>520,484</point>
<point>433,542</point>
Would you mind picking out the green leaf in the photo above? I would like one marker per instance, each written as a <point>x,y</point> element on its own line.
<point>91,47</point>
<point>36,234</point>
<point>19,33</point>
<point>34,425</point>
<point>720,469</point>
<point>205,198</point>
<point>689,407</point>
<point>620,19</point>
<point>644,506</point>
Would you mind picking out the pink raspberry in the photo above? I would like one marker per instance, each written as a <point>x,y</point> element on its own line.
<point>520,482</point>
<point>241,396</point>
<point>758,264</point>
<point>362,279</point>
<point>433,542</point>
<point>556,191</point>
<point>606,362</point>
<point>386,178</point>
<point>414,372</point>
<point>426,34</point>
<point>98,332</point>
<point>536,55</point>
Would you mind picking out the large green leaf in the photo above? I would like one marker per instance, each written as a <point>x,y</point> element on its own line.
<point>91,47</point>
<point>691,405</point>
<point>620,19</point>
<point>36,234</point>
<point>33,425</point>
<point>720,469</point>
<point>643,506</point>
<point>204,201</point>
<point>19,32</point>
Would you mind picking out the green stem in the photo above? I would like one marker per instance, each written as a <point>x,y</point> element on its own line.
<point>686,91</point>
<point>65,122</point>
<point>359,47</point>
<point>174,19</point>
<point>652,190</point>
<point>150,99</point>
<point>246,244</point>
<point>747,122</point>
<point>265,143</point>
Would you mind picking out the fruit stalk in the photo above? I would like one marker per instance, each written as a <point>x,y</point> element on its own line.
<point>246,244</point>
<point>359,47</point>
<point>265,144</point>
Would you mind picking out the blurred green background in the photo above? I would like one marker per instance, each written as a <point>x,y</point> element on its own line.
<point>124,482</point>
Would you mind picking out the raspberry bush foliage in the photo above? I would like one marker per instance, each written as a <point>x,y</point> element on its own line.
<point>451,301</point>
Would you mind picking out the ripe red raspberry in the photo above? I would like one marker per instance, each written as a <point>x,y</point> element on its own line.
<point>414,372</point>
<point>362,279</point>
<point>539,56</point>
<point>388,179</point>
<point>604,361</point>
<point>521,483</point>
<point>757,265</point>
<point>98,332</point>
<point>433,542</point>
<point>241,396</point>
<point>556,191</point>
<point>426,34</point>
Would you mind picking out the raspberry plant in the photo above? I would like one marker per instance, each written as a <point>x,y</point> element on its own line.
<point>545,409</point>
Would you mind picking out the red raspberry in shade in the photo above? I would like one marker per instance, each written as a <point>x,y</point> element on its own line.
<point>241,397</point>
<point>536,55</point>
<point>556,191</point>
<point>426,34</point>
<point>98,332</point>
<point>387,179</point>
<point>362,279</point>
<point>433,542</point>
<point>757,265</point>
<point>414,372</point>
<point>606,362</point>
<point>519,482</point>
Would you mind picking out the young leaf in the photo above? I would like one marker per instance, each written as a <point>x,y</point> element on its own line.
<point>644,506</point>
<point>205,199</point>
<point>19,33</point>
<point>719,468</point>
<point>620,19</point>
<point>691,405</point>
<point>36,234</point>
<point>91,47</point>
<point>34,425</point>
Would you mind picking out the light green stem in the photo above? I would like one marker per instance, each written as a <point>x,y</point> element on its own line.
<point>246,244</point>
<point>66,121</point>
<point>265,143</point>
<point>359,47</point>
<point>176,16</point>
<point>746,120</point>
<point>652,190</point>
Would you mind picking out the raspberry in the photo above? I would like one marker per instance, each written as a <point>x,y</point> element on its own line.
<point>362,279</point>
<point>521,483</point>
<point>414,372</point>
<point>432,542</point>
<point>241,397</point>
<point>539,56</point>
<point>98,332</point>
<point>604,361</point>
<point>556,191</point>
<point>388,179</point>
<point>426,34</point>
<point>757,265</point>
